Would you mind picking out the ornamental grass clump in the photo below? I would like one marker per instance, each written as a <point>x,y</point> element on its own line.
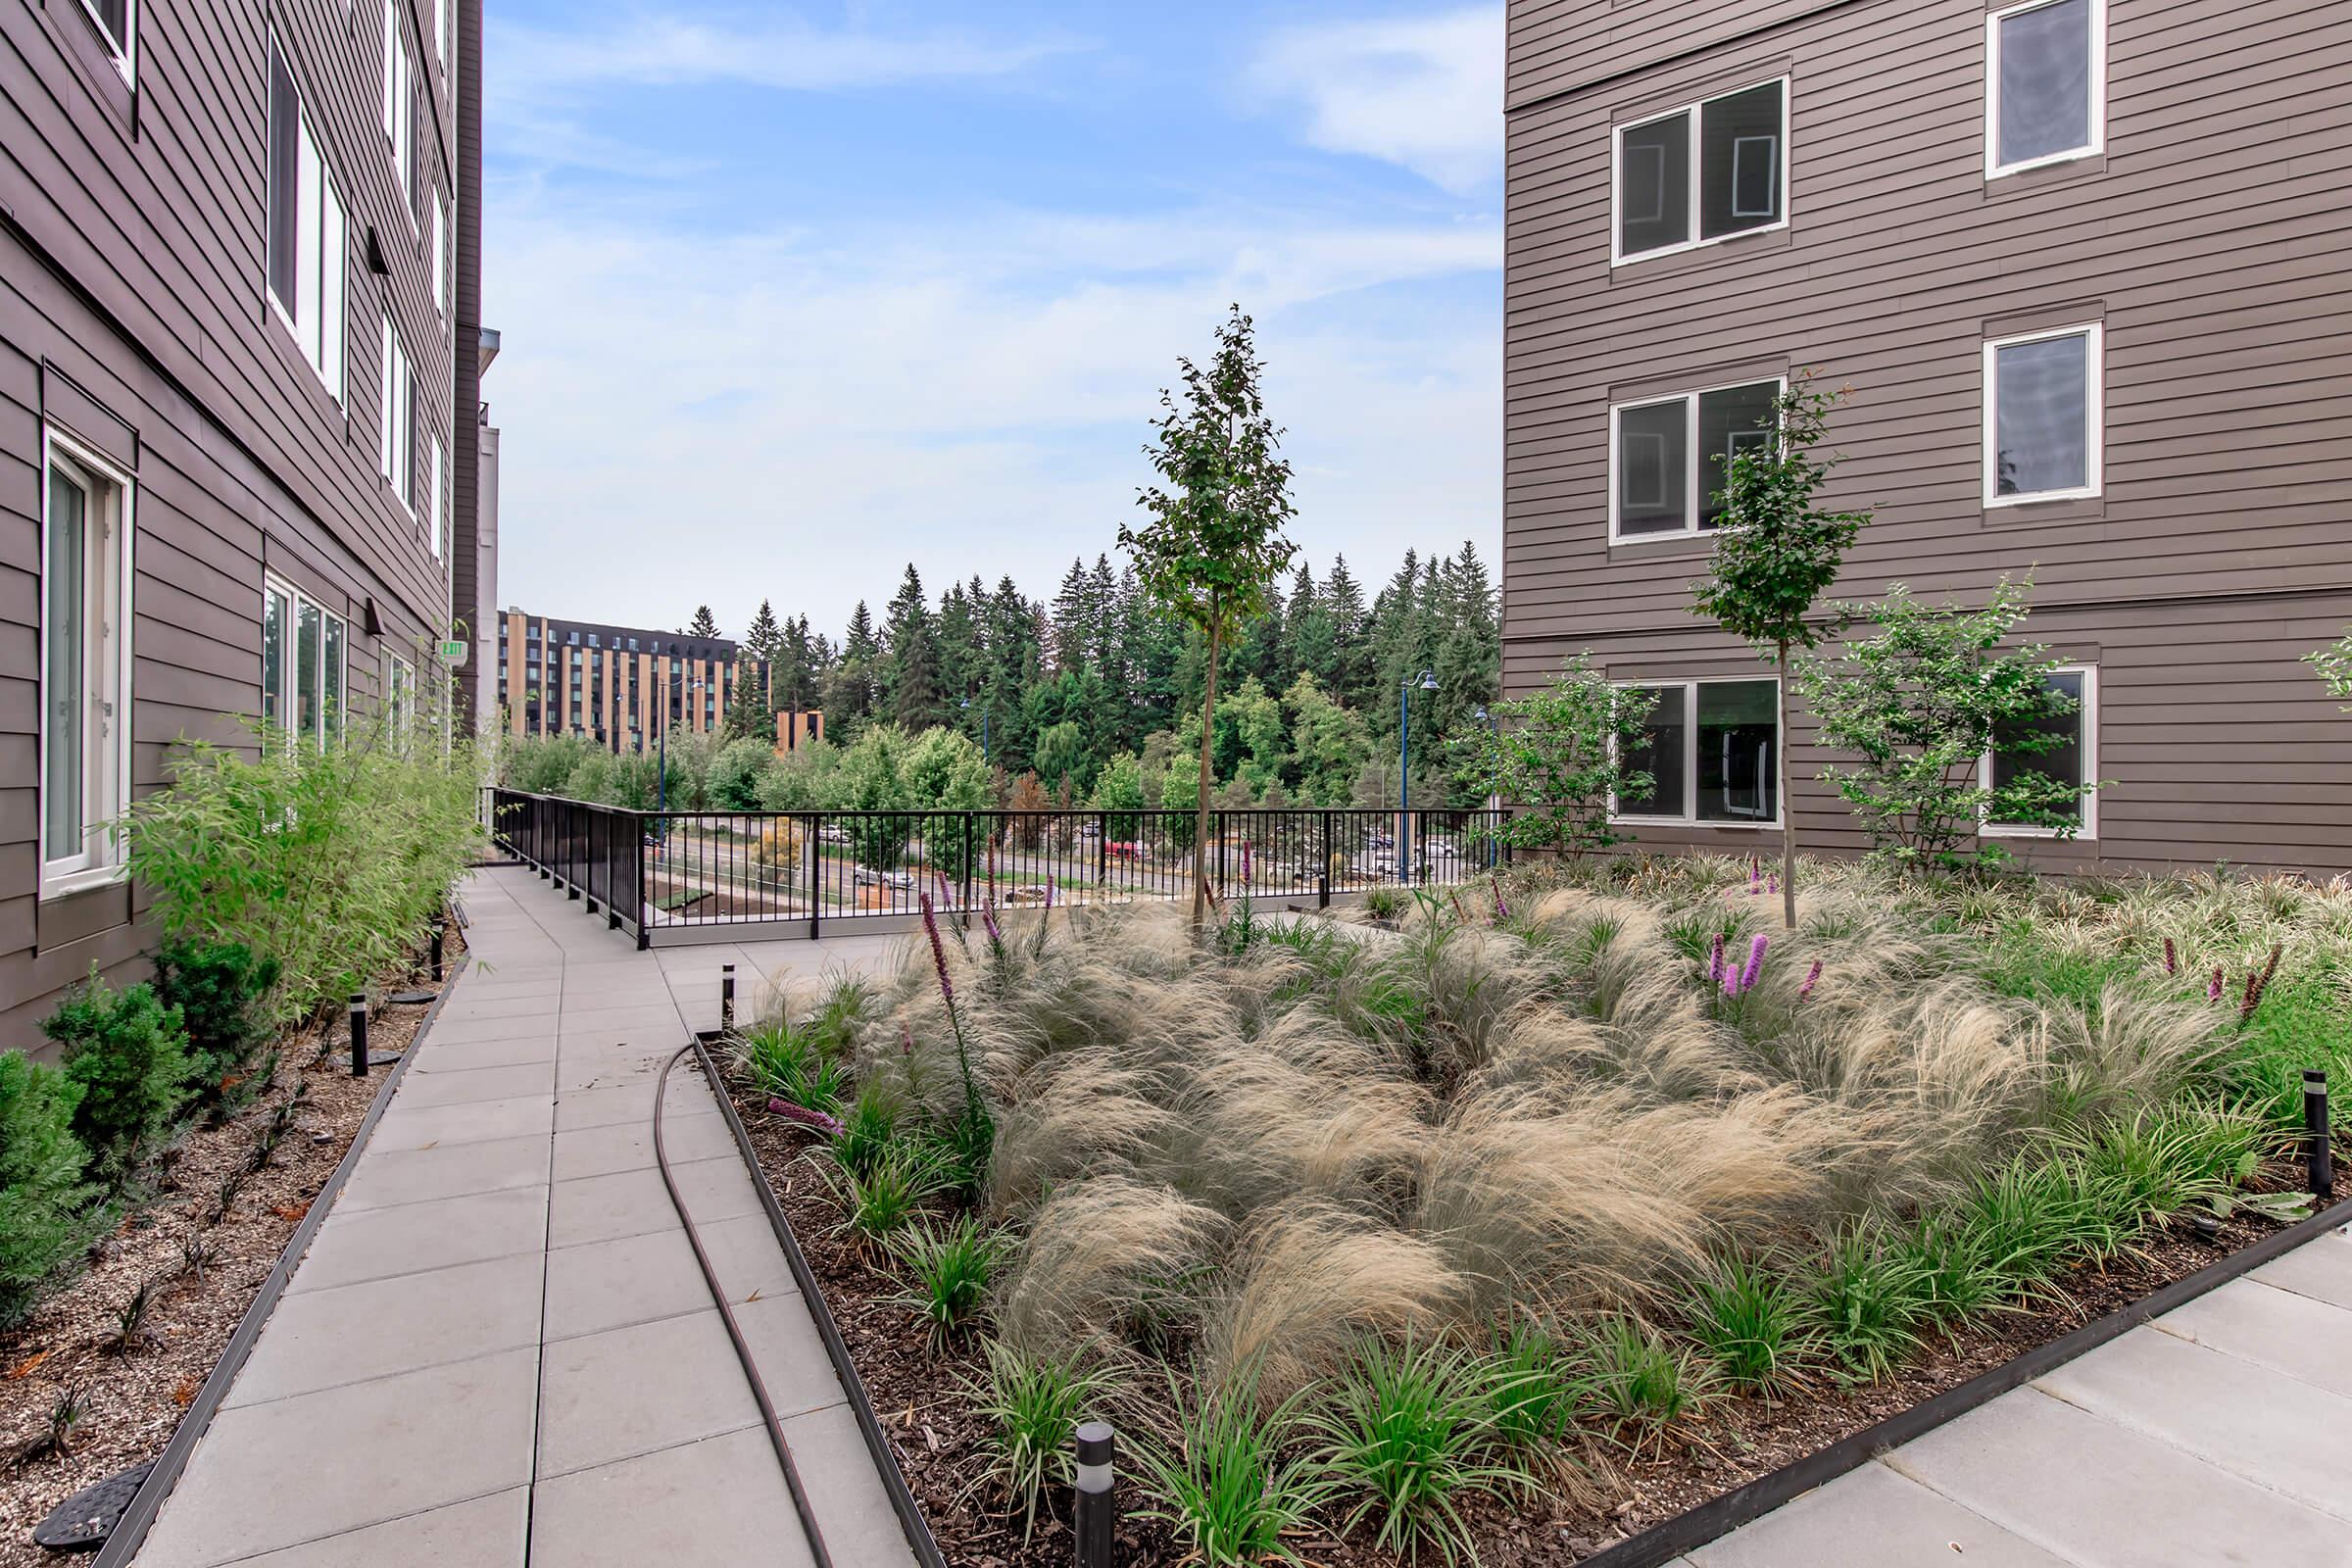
<point>1230,1477</point>
<point>1032,1407</point>
<point>948,1268</point>
<point>1751,1321</point>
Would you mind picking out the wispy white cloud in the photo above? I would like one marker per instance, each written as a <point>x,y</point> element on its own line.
<point>797,414</point>
<point>766,50</point>
<point>1423,92</point>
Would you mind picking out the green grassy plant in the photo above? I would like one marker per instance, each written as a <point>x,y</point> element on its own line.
<point>1957,1272</point>
<point>887,1196</point>
<point>1641,1382</point>
<point>1750,1321</point>
<point>1408,1435</point>
<point>1032,1407</point>
<point>1229,1478</point>
<point>949,1267</point>
<point>869,1126</point>
<point>1868,1303</point>
<point>1535,1387</point>
<point>218,988</point>
<point>789,1064</point>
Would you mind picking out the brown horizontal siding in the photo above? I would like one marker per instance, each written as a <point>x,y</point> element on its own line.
<point>2217,740</point>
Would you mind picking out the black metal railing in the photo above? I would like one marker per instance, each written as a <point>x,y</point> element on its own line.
<point>650,871</point>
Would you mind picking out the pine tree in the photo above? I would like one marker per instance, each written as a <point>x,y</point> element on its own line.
<point>912,693</point>
<point>1352,653</point>
<point>702,625</point>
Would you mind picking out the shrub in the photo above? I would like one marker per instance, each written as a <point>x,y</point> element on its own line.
<point>1032,1407</point>
<point>330,861</point>
<point>868,1128</point>
<point>1561,756</point>
<point>217,988</point>
<point>1534,1389</point>
<point>951,1267</point>
<point>128,1055</point>
<point>42,1214</point>
<point>1230,1480</point>
<point>1751,1321</point>
<point>785,1062</point>
<point>1868,1303</point>
<point>736,773</point>
<point>1408,1434</point>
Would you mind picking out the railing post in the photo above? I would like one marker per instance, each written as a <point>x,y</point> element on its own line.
<point>1216,820</point>
<point>967,870</point>
<point>1323,868</point>
<point>1102,853</point>
<point>645,886</point>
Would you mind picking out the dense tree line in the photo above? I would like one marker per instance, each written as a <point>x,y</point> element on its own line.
<point>1088,683</point>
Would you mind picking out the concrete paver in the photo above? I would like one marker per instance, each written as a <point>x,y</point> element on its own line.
<point>2279,1329</point>
<point>1878,1517</point>
<point>499,1352</point>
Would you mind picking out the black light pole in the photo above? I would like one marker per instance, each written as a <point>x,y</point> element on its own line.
<point>1493,784</point>
<point>1404,770</point>
<point>2314,1127</point>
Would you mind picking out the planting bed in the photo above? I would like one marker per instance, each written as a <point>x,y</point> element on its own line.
<point>133,1395</point>
<point>1643,1196</point>
<point>921,1399</point>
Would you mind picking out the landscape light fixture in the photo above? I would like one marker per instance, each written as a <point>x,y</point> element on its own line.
<point>1404,769</point>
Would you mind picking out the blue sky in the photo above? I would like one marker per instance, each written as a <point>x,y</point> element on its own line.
<point>794,294</point>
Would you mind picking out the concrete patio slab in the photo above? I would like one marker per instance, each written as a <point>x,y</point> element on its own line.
<point>631,1203</point>
<point>636,1279</point>
<point>483,1533</point>
<point>630,1391</point>
<point>689,1131</point>
<point>2320,1270</point>
<point>468,1085</point>
<point>622,1515</point>
<point>462,1056</point>
<point>1880,1518</point>
<point>2279,1329</point>
<point>2105,1496</point>
<point>481,1122</point>
<point>2261,1425</point>
<point>454,1170</point>
<point>416,1238</point>
<point>288,1471</point>
<point>323,1338</point>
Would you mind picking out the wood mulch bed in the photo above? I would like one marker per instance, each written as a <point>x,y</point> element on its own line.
<point>132,1397</point>
<point>920,1398</point>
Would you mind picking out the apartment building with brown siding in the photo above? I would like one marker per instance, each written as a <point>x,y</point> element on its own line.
<point>230,277</point>
<point>2081,265</point>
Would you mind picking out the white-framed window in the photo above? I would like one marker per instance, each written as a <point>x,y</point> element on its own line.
<point>2074,762</point>
<point>441,31</point>
<point>400,694</point>
<point>306,232</point>
<point>2045,84</point>
<point>2044,416</point>
<point>439,513</point>
<point>85,663</point>
<point>396,433</point>
<point>1701,173</point>
<point>116,23</point>
<point>305,654</point>
<point>400,105</point>
<point>1669,457</point>
<point>439,252</point>
<point>1711,747</point>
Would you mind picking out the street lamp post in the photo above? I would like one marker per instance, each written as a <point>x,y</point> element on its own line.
<point>679,685</point>
<point>1493,782</point>
<point>1404,770</point>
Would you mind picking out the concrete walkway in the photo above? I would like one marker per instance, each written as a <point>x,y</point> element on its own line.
<point>499,1350</point>
<point>2221,1432</point>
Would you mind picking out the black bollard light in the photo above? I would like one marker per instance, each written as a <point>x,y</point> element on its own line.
<point>726,996</point>
<point>440,923</point>
<point>359,1034</point>
<point>1098,1512</point>
<point>2315,1128</point>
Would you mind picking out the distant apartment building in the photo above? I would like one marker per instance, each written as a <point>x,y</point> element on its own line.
<point>238,249</point>
<point>608,683</point>
<point>2082,263</point>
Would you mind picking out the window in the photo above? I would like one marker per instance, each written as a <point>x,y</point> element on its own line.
<point>2073,761</point>
<point>1710,750</point>
<point>2042,415</point>
<point>400,693</point>
<point>2045,84</point>
<point>306,260</point>
<point>437,520</point>
<point>86,666</point>
<point>304,648</point>
<point>440,253</point>
<point>400,104</point>
<point>397,416</point>
<point>441,30</point>
<point>118,23</point>
<point>1705,172</point>
<point>1668,457</point>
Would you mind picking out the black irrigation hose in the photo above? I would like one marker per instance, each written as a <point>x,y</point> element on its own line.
<point>726,1314</point>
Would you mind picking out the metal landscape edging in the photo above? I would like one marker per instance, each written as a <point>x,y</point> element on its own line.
<point>130,1531</point>
<point>1718,1517</point>
<point>911,1522</point>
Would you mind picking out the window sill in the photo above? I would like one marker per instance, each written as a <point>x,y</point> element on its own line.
<point>1654,545</point>
<point>1689,824</point>
<point>2029,514</point>
<point>66,884</point>
<point>1705,254</point>
<point>2007,184</point>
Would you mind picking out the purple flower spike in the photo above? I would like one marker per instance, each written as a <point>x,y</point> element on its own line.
<point>1755,965</point>
<point>2171,959</point>
<point>1812,979</point>
<point>939,954</point>
<point>807,1117</point>
<point>1755,875</point>
<point>988,917</point>
<point>1244,864</point>
<point>2213,991</point>
<point>1502,910</point>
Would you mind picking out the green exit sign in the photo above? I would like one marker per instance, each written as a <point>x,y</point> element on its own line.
<point>452,653</point>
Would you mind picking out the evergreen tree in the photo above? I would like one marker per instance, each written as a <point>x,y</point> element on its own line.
<point>702,625</point>
<point>912,689</point>
<point>850,692</point>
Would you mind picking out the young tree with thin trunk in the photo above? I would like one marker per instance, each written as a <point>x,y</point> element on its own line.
<point>1214,547</point>
<point>1777,550</point>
